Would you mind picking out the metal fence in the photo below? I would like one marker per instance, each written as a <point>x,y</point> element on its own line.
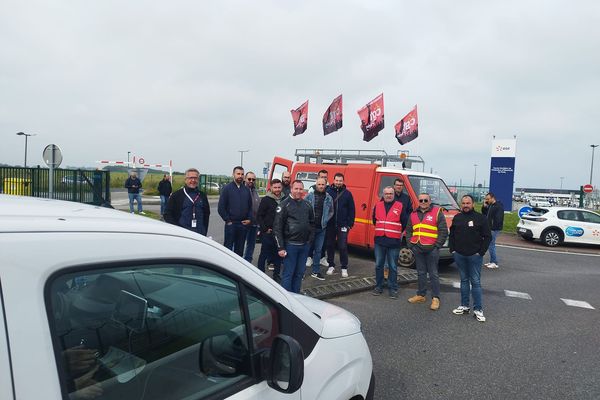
<point>82,186</point>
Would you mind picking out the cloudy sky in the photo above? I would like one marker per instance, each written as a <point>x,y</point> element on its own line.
<point>197,81</point>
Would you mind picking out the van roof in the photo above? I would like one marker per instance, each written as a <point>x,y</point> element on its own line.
<point>33,214</point>
<point>407,172</point>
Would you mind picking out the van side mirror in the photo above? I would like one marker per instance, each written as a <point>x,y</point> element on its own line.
<point>284,364</point>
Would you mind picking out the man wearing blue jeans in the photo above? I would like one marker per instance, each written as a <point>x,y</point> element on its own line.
<point>494,211</point>
<point>469,239</point>
<point>322,205</point>
<point>387,217</point>
<point>133,185</point>
<point>294,230</point>
<point>426,233</point>
<point>235,207</point>
<point>253,227</point>
<point>266,217</point>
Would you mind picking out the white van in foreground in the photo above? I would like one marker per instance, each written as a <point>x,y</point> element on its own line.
<point>101,304</point>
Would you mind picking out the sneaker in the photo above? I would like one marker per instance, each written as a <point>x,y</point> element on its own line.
<point>492,265</point>
<point>393,294</point>
<point>330,271</point>
<point>143,213</point>
<point>318,276</point>
<point>309,262</point>
<point>417,299</point>
<point>478,314</point>
<point>460,310</point>
<point>435,304</point>
<point>486,264</point>
<point>377,291</point>
<point>132,212</point>
<point>324,262</point>
<point>344,273</point>
<point>271,267</point>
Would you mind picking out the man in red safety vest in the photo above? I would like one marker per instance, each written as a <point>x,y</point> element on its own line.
<point>426,233</point>
<point>388,236</point>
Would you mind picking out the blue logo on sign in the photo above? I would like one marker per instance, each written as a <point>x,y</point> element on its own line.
<point>574,231</point>
<point>524,211</point>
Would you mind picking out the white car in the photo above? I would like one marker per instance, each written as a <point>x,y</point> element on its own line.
<point>555,225</point>
<point>539,202</point>
<point>101,304</point>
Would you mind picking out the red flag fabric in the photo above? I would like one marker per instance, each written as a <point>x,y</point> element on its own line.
<point>332,119</point>
<point>372,118</point>
<point>408,127</point>
<point>300,117</point>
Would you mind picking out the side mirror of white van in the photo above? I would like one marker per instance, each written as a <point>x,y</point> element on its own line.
<point>283,365</point>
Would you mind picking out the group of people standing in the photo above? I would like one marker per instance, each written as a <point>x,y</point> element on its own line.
<point>300,231</point>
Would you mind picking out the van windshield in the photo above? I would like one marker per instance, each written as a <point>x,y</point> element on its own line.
<point>436,188</point>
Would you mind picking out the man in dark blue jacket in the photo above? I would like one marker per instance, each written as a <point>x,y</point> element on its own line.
<point>235,207</point>
<point>339,226</point>
<point>188,207</point>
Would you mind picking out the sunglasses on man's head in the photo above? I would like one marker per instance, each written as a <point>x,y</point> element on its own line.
<point>423,200</point>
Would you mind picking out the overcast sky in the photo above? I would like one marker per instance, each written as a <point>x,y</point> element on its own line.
<point>197,81</point>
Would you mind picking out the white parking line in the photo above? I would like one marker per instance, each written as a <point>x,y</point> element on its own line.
<point>578,303</point>
<point>520,295</point>
<point>548,251</point>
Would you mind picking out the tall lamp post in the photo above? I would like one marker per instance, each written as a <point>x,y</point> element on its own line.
<point>242,156</point>
<point>26,136</point>
<point>474,178</point>
<point>593,146</point>
<point>128,154</point>
<point>561,181</point>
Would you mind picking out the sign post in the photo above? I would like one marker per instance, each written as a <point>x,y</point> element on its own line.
<point>53,158</point>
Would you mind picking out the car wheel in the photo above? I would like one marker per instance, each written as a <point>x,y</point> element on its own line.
<point>406,258</point>
<point>551,238</point>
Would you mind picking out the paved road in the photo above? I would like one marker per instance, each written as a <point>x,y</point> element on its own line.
<point>533,346</point>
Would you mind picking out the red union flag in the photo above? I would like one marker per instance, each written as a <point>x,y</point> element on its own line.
<point>371,118</point>
<point>300,117</point>
<point>408,127</point>
<point>332,119</point>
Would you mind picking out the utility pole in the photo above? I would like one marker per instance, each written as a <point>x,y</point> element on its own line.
<point>242,156</point>
<point>561,181</point>
<point>593,146</point>
<point>474,177</point>
<point>26,136</point>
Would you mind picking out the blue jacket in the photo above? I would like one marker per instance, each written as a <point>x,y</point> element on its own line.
<point>343,207</point>
<point>235,204</point>
<point>327,207</point>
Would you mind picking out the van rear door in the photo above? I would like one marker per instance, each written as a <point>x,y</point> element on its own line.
<point>359,180</point>
<point>279,165</point>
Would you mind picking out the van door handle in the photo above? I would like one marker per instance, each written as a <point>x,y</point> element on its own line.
<point>364,206</point>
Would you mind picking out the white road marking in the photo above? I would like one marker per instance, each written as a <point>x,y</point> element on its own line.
<point>520,295</point>
<point>548,251</point>
<point>577,303</point>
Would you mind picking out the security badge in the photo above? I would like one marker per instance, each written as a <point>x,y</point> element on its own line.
<point>194,223</point>
<point>471,223</point>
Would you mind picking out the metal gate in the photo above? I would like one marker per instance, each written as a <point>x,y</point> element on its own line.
<point>82,186</point>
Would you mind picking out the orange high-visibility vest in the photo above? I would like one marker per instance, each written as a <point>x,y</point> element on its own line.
<point>426,231</point>
<point>388,224</point>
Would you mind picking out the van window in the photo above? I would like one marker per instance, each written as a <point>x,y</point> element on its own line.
<point>385,181</point>
<point>308,178</point>
<point>138,332</point>
<point>436,188</point>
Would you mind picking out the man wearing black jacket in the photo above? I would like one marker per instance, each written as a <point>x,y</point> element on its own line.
<point>235,207</point>
<point>469,239</point>
<point>188,207</point>
<point>494,211</point>
<point>164,189</point>
<point>294,230</point>
<point>265,217</point>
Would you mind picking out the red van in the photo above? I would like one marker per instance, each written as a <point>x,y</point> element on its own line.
<point>366,174</point>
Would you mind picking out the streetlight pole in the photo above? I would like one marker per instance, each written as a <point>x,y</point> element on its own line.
<point>26,136</point>
<point>128,153</point>
<point>561,181</point>
<point>593,146</point>
<point>242,156</point>
<point>474,177</point>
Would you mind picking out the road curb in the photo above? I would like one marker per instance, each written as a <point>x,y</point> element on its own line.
<point>354,285</point>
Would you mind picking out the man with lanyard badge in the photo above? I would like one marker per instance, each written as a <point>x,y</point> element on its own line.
<point>188,207</point>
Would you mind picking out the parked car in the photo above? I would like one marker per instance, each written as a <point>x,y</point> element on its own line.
<point>555,225</point>
<point>539,202</point>
<point>100,304</point>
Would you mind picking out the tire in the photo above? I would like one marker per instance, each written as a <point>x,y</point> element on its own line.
<point>406,258</point>
<point>529,239</point>
<point>552,237</point>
